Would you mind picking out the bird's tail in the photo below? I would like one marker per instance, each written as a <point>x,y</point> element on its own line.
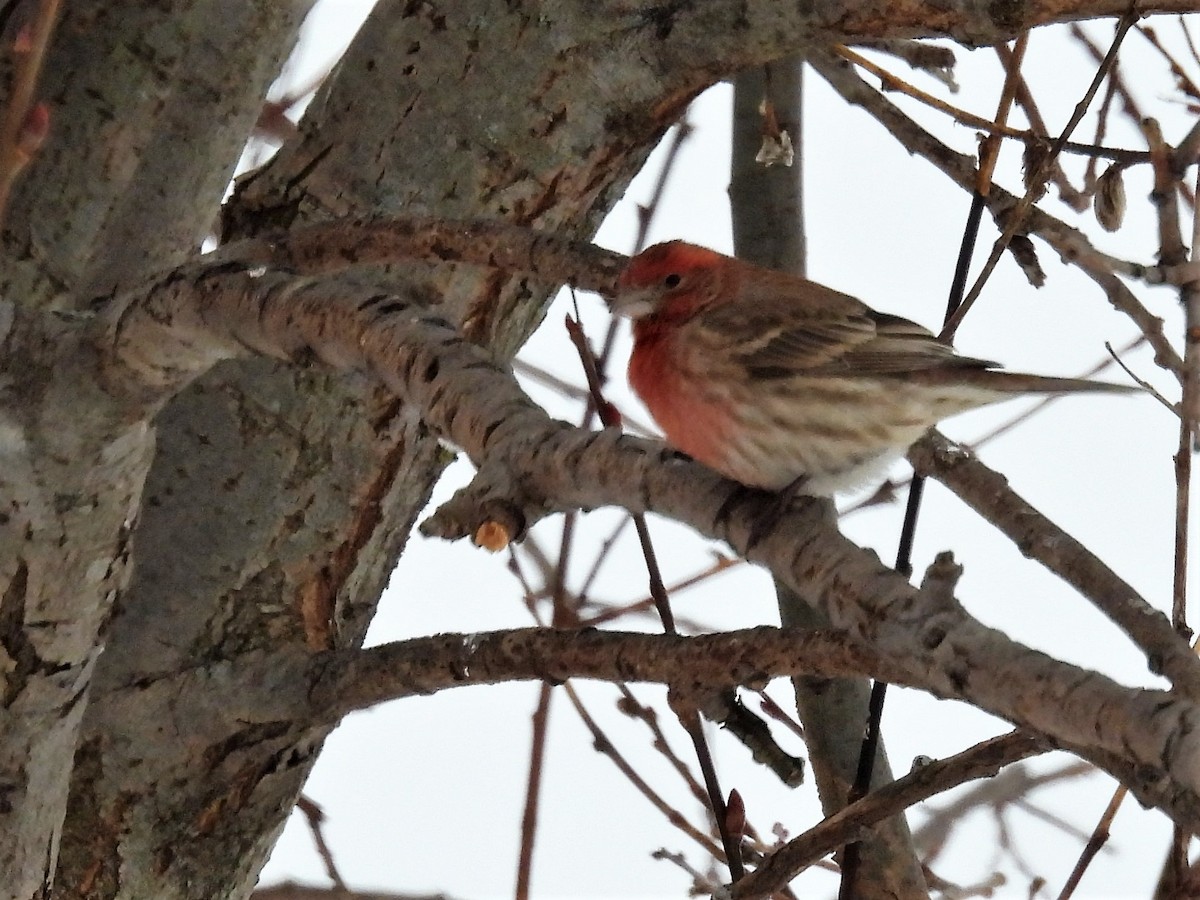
<point>1042,384</point>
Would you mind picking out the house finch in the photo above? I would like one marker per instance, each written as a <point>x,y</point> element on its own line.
<point>770,379</point>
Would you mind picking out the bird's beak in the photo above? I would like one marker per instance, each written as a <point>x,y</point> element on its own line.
<point>632,303</point>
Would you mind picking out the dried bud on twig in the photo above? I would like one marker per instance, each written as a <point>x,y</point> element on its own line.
<point>1036,153</point>
<point>1022,249</point>
<point>1109,200</point>
<point>735,815</point>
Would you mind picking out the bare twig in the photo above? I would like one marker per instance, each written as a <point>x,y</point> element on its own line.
<point>632,707</point>
<point>602,555</point>
<point>533,790</point>
<point>892,82</point>
<point>1097,840</point>
<point>996,794</point>
<point>603,745</point>
<point>1120,88</point>
<point>719,565</point>
<point>980,761</point>
<point>1017,215</point>
<point>315,817</point>
<point>1141,382</point>
<point>776,712</point>
<point>1181,76</point>
<point>13,156</point>
<point>1173,253</point>
<point>1189,426</point>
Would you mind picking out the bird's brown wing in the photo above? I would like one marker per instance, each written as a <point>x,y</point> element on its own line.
<point>783,336</point>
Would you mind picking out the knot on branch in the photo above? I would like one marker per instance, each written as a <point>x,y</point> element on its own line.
<point>941,578</point>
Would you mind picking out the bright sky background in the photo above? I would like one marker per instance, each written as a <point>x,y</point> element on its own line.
<point>426,794</point>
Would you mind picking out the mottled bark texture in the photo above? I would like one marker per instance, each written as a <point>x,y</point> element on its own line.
<point>150,106</point>
<point>279,495</point>
<point>531,465</point>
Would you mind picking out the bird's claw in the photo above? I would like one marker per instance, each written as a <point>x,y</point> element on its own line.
<point>769,509</point>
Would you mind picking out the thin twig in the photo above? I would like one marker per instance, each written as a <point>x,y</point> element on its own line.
<point>893,82</point>
<point>979,761</point>
<point>603,745</point>
<point>1180,73</point>
<point>315,817</point>
<point>533,790</point>
<point>634,708</point>
<point>1017,215</point>
<point>602,555</point>
<point>719,565</point>
<point>777,712</point>
<point>1187,37</point>
<point>1141,382</point>
<point>1173,253</point>
<point>688,715</point>
<point>1097,840</point>
<point>20,99</point>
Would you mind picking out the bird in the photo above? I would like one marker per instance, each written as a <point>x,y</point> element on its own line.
<point>779,382</point>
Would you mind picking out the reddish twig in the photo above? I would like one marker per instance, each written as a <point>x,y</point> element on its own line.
<point>603,745</point>
<point>24,127</point>
<point>686,710</point>
<point>1097,840</point>
<point>315,817</point>
<point>533,791</point>
<point>1017,216</point>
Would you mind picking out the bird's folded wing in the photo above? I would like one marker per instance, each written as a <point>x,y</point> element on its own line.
<point>777,338</point>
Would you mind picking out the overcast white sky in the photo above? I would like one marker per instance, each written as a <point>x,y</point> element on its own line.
<point>426,794</point>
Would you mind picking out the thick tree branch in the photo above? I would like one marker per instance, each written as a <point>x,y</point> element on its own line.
<point>341,682</point>
<point>989,494</point>
<point>551,466</point>
<point>335,246</point>
<point>158,344</point>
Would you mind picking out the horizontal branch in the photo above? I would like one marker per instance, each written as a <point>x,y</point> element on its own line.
<point>531,465</point>
<point>330,247</point>
<point>341,682</point>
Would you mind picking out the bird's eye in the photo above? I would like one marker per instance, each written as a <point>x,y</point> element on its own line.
<point>672,280</point>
